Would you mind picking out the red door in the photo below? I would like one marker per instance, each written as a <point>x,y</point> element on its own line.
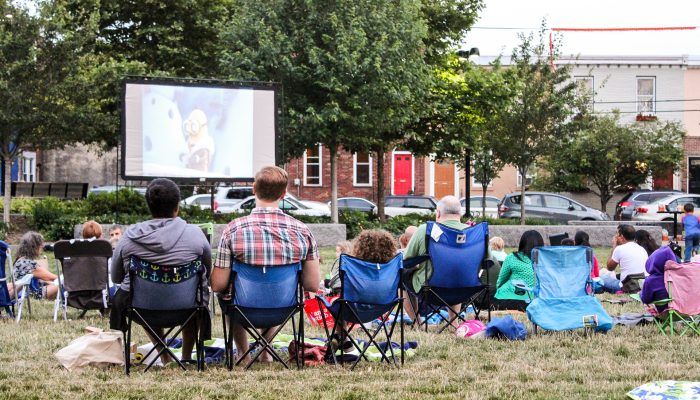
<point>403,173</point>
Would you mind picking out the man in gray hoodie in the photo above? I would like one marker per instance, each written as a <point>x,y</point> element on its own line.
<point>164,240</point>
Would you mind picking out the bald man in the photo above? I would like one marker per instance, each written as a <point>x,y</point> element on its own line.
<point>448,213</point>
<point>407,235</point>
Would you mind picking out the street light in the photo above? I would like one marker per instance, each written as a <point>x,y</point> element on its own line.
<point>469,55</point>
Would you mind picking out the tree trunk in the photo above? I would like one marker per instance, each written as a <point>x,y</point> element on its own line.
<point>8,186</point>
<point>334,184</point>
<point>522,196</point>
<point>605,196</point>
<point>380,184</point>
<point>467,184</point>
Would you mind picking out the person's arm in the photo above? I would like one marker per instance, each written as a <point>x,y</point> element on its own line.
<point>206,257</point>
<point>504,275</point>
<point>614,259</point>
<point>310,275</point>
<point>43,274</point>
<point>221,273</point>
<point>117,267</point>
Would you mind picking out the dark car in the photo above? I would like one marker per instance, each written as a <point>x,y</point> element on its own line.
<point>624,209</point>
<point>550,206</point>
<point>356,204</point>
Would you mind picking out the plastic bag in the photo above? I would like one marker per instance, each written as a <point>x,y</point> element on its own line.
<point>470,329</point>
<point>506,327</point>
<point>98,349</point>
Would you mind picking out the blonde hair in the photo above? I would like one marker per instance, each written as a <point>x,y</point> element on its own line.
<point>345,247</point>
<point>92,229</point>
<point>496,243</point>
<point>270,183</point>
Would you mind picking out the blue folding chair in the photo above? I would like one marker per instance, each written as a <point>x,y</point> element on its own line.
<point>457,258</point>
<point>6,301</point>
<point>368,291</point>
<point>165,297</point>
<point>562,298</point>
<point>264,298</point>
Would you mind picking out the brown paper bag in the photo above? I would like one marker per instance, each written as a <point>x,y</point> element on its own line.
<point>97,349</point>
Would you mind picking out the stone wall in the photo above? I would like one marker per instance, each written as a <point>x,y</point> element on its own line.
<point>600,235</point>
<point>325,234</point>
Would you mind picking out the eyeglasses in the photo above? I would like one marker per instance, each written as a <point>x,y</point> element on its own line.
<point>192,126</point>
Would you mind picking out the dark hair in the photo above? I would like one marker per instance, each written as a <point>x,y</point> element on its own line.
<point>688,207</point>
<point>644,239</point>
<point>568,242</point>
<point>163,198</point>
<point>581,239</point>
<point>626,231</point>
<point>528,241</point>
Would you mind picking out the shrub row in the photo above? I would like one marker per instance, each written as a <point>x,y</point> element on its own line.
<point>55,218</point>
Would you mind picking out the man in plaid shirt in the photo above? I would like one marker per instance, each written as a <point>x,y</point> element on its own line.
<point>265,238</point>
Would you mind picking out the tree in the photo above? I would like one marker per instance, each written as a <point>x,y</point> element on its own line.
<point>610,156</point>
<point>463,105</point>
<point>45,102</point>
<point>539,117</point>
<point>349,69</point>
<point>486,168</point>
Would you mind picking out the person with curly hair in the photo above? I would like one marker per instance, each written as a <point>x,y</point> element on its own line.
<point>31,264</point>
<point>374,245</point>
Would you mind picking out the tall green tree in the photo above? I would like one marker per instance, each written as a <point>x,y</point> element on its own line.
<point>45,101</point>
<point>608,156</point>
<point>349,69</point>
<point>545,100</point>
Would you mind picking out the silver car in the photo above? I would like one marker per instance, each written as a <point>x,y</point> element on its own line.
<point>550,206</point>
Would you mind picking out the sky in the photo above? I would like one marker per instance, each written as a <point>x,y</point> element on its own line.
<point>528,14</point>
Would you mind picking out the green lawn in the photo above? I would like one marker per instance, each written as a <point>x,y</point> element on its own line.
<point>545,366</point>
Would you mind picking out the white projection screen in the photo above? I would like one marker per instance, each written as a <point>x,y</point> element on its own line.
<point>199,132</point>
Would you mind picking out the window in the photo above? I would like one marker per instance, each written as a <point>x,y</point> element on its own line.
<point>312,166</point>
<point>394,202</point>
<point>362,167</point>
<point>359,204</point>
<point>28,162</point>
<point>646,95</point>
<point>475,202</point>
<point>530,200</point>
<point>530,177</point>
<point>584,87</point>
<point>286,205</point>
<point>557,202</point>
<point>419,202</point>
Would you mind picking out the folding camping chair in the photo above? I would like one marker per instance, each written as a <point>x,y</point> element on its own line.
<point>264,298</point>
<point>457,257</point>
<point>165,297</point>
<point>562,298</point>
<point>22,290</point>
<point>683,285</point>
<point>5,301</point>
<point>368,291</point>
<point>208,231</point>
<point>84,268</point>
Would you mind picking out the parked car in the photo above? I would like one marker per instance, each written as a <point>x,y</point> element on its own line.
<point>625,207</point>
<point>288,204</point>
<point>113,188</point>
<point>550,206</point>
<point>356,204</point>
<point>658,210</point>
<point>475,205</point>
<point>402,205</point>
<point>201,200</point>
<point>228,196</point>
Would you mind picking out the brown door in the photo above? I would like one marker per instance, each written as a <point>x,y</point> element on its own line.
<point>444,179</point>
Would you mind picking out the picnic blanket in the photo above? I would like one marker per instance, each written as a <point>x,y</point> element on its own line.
<point>666,390</point>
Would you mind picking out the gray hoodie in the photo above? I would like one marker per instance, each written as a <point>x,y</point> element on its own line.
<point>164,241</point>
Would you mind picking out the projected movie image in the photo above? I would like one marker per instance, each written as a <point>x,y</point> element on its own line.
<point>197,132</point>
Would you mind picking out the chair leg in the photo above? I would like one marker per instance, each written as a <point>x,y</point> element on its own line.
<point>127,345</point>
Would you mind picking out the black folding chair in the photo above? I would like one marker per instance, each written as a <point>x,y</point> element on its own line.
<point>165,297</point>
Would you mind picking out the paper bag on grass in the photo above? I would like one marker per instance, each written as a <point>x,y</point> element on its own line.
<point>97,349</point>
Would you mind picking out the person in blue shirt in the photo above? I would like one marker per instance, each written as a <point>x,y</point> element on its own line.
<point>691,225</point>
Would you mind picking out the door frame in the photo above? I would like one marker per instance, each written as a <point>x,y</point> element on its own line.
<point>687,171</point>
<point>431,179</point>
<point>413,169</point>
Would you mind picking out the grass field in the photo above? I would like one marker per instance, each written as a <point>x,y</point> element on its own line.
<point>545,366</point>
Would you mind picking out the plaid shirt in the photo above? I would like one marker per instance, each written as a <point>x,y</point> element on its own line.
<point>266,237</point>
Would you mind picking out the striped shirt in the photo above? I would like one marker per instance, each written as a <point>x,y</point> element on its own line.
<point>266,237</point>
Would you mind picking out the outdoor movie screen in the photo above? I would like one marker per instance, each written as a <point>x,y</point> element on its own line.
<point>197,131</point>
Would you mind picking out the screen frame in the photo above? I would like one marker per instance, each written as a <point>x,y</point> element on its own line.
<point>275,87</point>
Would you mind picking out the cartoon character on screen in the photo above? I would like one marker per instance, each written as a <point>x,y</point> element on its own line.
<point>162,139</point>
<point>199,143</point>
